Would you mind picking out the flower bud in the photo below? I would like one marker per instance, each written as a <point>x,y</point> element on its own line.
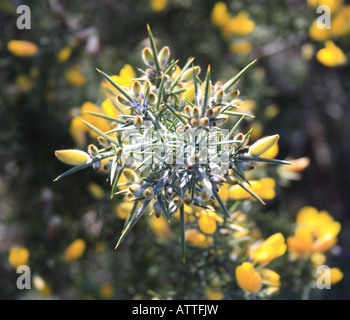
<point>122,100</point>
<point>157,209</point>
<point>72,157</point>
<point>136,190</point>
<point>138,121</point>
<point>92,150</point>
<point>219,96</point>
<point>262,145</point>
<point>135,89</point>
<point>178,201</point>
<point>151,98</point>
<point>148,194</point>
<point>204,121</point>
<point>163,56</point>
<point>247,278</point>
<point>188,74</point>
<point>231,95</point>
<point>147,57</point>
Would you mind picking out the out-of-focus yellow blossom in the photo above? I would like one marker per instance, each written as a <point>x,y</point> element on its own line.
<point>307,51</point>
<point>293,171</point>
<point>316,232</point>
<point>301,243</point>
<point>24,83</point>
<point>272,111</point>
<point>319,34</point>
<point>109,108</point>
<point>333,5</point>
<point>331,55</point>
<point>123,209</point>
<point>96,190</point>
<point>197,238</point>
<point>220,15</point>
<point>64,54</point>
<point>72,156</point>
<point>336,275</point>
<point>18,256</point>
<point>160,227</point>
<point>317,258</point>
<point>247,278</point>
<point>208,221</point>
<point>124,78</point>
<point>264,188</point>
<point>74,251</point>
<point>106,291</point>
<point>318,222</point>
<point>240,24</point>
<point>270,277</point>
<point>241,47</point>
<point>75,77</point>
<point>213,294</point>
<point>341,22</point>
<point>158,5</point>
<point>79,130</point>
<point>22,48</point>
<point>41,285</point>
<point>247,105</point>
<point>257,131</point>
<point>273,247</point>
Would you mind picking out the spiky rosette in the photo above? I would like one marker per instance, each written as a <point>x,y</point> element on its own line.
<point>168,143</point>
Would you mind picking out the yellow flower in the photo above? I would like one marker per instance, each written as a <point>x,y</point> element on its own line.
<point>241,47</point>
<point>336,275</point>
<point>240,25</point>
<point>331,55</point>
<point>319,34</point>
<point>124,79</point>
<point>160,227</point>
<point>41,285</point>
<point>207,221</point>
<point>316,232</point>
<point>74,251</point>
<point>270,277</point>
<point>247,278</point>
<point>21,48</point>
<point>271,152</point>
<point>72,157</point>
<point>123,209</point>
<point>78,129</point>
<point>64,54</point>
<point>24,83</point>
<point>219,15</point>
<point>341,22</point>
<point>18,256</point>
<point>263,145</point>
<point>96,191</point>
<point>75,77</point>
<point>273,247</point>
<point>301,243</point>
<point>197,238</point>
<point>213,294</point>
<point>106,291</point>
<point>158,5</point>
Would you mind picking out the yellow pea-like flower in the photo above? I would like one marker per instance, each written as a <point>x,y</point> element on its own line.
<point>336,275</point>
<point>331,55</point>
<point>197,238</point>
<point>270,277</point>
<point>74,251</point>
<point>247,278</point>
<point>220,15</point>
<point>301,243</point>
<point>263,145</point>
<point>158,5</point>
<point>18,256</point>
<point>207,221</point>
<point>22,48</point>
<point>72,156</point>
<point>273,247</point>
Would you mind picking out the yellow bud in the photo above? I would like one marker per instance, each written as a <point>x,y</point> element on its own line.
<point>130,175</point>
<point>148,194</point>
<point>138,121</point>
<point>188,74</point>
<point>72,157</point>
<point>135,89</point>
<point>262,145</point>
<point>74,251</point>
